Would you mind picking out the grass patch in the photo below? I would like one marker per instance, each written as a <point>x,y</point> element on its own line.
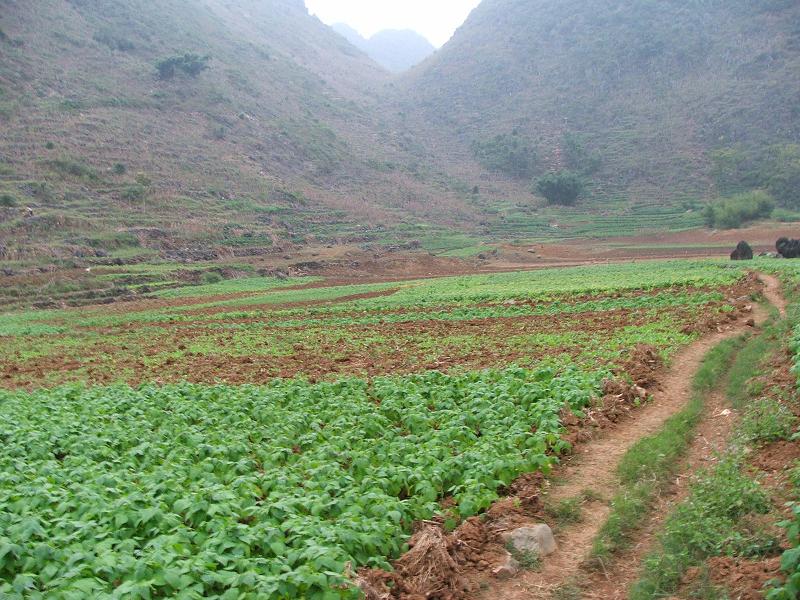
<point>711,523</point>
<point>528,560</point>
<point>721,515</point>
<point>568,591</point>
<point>566,511</point>
<point>739,389</point>
<point>766,420</point>
<point>652,461</point>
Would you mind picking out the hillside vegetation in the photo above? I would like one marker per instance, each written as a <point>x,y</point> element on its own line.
<point>647,98</point>
<point>199,128</point>
<point>114,138</point>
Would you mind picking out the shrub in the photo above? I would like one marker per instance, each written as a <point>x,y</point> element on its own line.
<point>211,277</point>
<point>733,212</point>
<point>133,192</point>
<point>75,168</point>
<point>119,169</point>
<point>7,200</point>
<point>113,41</point>
<point>189,64</point>
<point>509,154</point>
<point>562,187</point>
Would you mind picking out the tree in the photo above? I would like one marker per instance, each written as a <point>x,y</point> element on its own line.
<point>561,187</point>
<point>733,212</point>
<point>508,154</point>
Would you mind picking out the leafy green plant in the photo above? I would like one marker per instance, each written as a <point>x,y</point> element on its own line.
<point>271,490</point>
<point>767,420</point>
<point>790,561</point>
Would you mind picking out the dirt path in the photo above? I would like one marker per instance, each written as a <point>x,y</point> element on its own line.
<point>595,469</point>
<point>772,292</point>
<point>710,440</point>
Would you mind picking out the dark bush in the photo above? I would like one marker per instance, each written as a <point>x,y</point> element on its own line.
<point>7,200</point>
<point>75,168</point>
<point>133,192</point>
<point>119,169</point>
<point>562,187</point>
<point>188,64</point>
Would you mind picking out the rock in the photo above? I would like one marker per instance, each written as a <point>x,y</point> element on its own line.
<point>509,568</point>
<point>640,392</point>
<point>743,252</point>
<point>750,322</point>
<point>788,248</point>
<point>538,539</point>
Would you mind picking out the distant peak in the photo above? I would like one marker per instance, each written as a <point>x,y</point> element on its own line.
<point>395,49</point>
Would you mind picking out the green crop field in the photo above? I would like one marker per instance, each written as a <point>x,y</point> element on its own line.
<point>257,438</point>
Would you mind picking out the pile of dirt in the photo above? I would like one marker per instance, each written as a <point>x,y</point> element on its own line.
<point>744,579</point>
<point>449,566</point>
<point>642,365</point>
<point>436,564</point>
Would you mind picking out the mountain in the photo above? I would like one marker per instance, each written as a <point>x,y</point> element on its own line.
<point>650,100</point>
<point>197,128</point>
<point>399,50</point>
<point>351,35</point>
<point>178,123</point>
<point>396,50</point>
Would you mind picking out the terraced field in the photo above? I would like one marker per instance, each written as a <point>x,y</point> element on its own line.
<point>250,331</point>
<point>281,435</point>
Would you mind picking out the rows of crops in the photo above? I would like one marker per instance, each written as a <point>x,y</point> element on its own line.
<point>272,490</point>
<point>255,492</point>
<point>237,332</point>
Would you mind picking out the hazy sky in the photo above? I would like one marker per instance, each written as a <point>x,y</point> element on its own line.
<point>435,19</point>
